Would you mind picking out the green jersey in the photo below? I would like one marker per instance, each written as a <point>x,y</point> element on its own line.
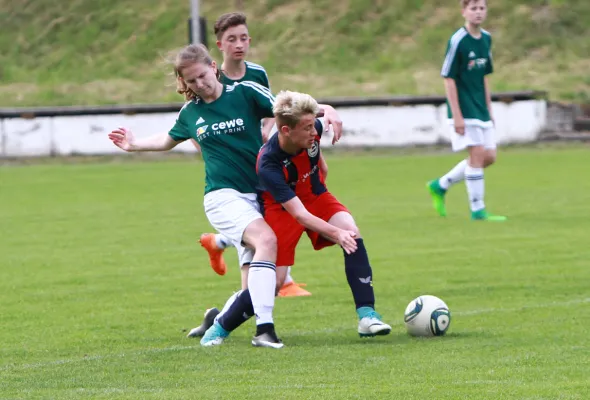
<point>468,60</point>
<point>228,131</point>
<point>254,72</point>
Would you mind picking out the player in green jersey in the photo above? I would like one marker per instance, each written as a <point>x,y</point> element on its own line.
<point>467,63</point>
<point>225,121</point>
<point>233,40</point>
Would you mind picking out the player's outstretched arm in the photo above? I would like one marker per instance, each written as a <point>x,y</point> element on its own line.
<point>124,139</point>
<point>344,238</point>
<point>331,117</point>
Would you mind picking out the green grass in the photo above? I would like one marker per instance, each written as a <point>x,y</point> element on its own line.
<point>107,51</point>
<point>101,279</point>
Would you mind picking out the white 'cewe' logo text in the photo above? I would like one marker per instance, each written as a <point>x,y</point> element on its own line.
<point>238,122</point>
<point>221,128</point>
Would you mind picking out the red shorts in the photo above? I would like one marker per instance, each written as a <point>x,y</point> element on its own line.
<point>289,231</point>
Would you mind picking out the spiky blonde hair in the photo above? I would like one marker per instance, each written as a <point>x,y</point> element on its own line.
<point>290,107</point>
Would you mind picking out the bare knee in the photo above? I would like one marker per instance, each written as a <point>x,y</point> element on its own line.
<point>260,237</point>
<point>477,157</point>
<point>490,158</point>
<point>267,242</point>
<point>344,220</point>
<point>354,228</point>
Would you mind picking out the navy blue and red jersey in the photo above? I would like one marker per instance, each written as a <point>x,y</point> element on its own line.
<point>282,176</point>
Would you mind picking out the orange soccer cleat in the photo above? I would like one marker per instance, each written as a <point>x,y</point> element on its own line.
<point>216,260</point>
<point>293,289</point>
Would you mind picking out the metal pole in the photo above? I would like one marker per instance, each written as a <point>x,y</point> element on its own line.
<point>196,28</point>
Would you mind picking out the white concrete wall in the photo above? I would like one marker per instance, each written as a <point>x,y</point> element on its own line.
<point>520,121</point>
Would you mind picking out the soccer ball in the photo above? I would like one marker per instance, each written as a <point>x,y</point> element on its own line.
<point>427,316</point>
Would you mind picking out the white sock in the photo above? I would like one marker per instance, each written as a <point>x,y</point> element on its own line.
<point>456,175</point>
<point>228,303</point>
<point>222,242</point>
<point>288,278</point>
<point>262,281</point>
<point>475,187</point>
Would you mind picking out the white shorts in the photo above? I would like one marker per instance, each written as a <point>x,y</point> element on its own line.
<point>230,212</point>
<point>474,136</point>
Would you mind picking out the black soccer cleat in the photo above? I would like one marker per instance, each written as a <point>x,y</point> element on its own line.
<point>267,340</point>
<point>208,321</point>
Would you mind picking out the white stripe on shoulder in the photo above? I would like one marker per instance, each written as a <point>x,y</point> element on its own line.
<point>485,32</point>
<point>254,66</point>
<point>259,88</point>
<point>257,67</point>
<point>455,40</point>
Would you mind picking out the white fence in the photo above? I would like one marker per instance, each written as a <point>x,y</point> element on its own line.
<point>365,125</point>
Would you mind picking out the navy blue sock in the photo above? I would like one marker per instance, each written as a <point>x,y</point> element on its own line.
<point>360,276</point>
<point>239,312</point>
<point>265,328</point>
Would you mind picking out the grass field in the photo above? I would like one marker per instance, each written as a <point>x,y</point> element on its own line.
<point>101,278</point>
<point>113,51</point>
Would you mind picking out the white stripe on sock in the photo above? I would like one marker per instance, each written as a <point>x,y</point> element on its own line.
<point>475,187</point>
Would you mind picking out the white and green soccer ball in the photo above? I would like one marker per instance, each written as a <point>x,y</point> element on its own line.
<point>427,316</point>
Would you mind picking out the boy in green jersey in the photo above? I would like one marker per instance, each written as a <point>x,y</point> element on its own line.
<point>467,63</point>
<point>233,40</point>
<point>225,121</point>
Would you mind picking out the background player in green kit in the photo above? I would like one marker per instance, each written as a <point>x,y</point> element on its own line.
<point>467,63</point>
<point>233,40</point>
<point>225,121</point>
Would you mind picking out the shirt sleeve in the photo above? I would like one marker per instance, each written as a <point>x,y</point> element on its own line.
<point>319,127</point>
<point>490,65</point>
<point>179,131</point>
<point>450,68</point>
<point>272,180</point>
<point>260,98</point>
<point>265,79</point>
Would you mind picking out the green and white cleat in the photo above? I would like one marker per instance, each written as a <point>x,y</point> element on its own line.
<point>483,215</point>
<point>438,197</point>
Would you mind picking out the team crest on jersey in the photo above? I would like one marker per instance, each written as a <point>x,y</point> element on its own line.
<point>478,63</point>
<point>314,150</point>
